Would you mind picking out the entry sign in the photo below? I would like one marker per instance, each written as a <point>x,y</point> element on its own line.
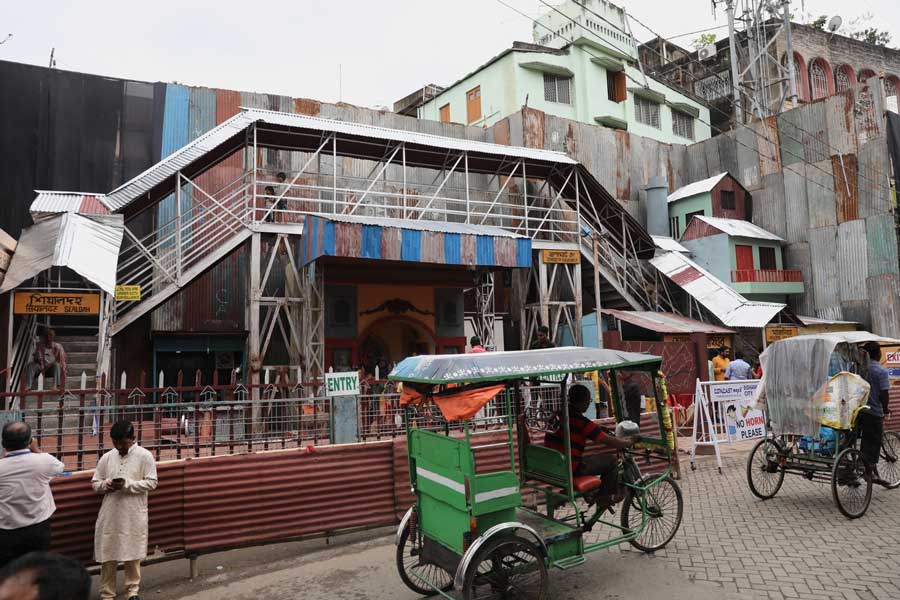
<point>128,293</point>
<point>780,332</point>
<point>342,384</point>
<point>735,399</point>
<point>37,303</point>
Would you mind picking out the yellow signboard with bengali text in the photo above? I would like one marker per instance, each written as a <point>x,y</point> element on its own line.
<point>780,332</point>
<point>55,303</point>
<point>561,257</point>
<point>128,293</point>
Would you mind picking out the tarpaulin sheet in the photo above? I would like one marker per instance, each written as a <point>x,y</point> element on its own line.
<point>499,366</point>
<point>87,245</point>
<point>794,373</point>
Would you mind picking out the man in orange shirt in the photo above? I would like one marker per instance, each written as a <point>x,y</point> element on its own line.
<point>720,363</point>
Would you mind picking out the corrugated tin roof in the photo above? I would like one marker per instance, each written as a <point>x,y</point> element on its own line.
<point>60,202</point>
<point>732,309</point>
<point>818,321</point>
<point>739,228</point>
<point>124,194</point>
<point>441,226</point>
<point>87,245</point>
<point>698,187</point>
<point>664,322</point>
<point>668,244</point>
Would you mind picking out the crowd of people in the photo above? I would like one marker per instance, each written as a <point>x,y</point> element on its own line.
<point>124,477</point>
<point>722,368</point>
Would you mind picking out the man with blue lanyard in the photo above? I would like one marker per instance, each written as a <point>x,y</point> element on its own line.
<point>26,502</point>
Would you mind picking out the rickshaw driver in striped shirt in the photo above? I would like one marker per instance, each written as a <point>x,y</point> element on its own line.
<point>581,429</point>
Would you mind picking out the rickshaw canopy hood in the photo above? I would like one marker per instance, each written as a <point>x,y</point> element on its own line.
<point>522,364</point>
<point>794,370</point>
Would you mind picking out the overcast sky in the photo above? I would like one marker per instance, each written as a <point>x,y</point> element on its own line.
<point>384,49</point>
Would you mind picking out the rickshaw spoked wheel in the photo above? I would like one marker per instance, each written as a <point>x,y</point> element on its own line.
<point>409,549</point>
<point>764,471</point>
<point>664,506</point>
<point>889,466</point>
<point>509,568</point>
<point>851,484</point>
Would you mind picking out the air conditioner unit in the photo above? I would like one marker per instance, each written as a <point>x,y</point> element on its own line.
<point>707,52</point>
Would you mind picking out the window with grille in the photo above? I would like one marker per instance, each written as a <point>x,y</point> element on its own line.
<point>726,199</point>
<point>841,80</point>
<point>615,86</point>
<point>557,88</point>
<point>767,259</point>
<point>473,105</point>
<point>714,87</point>
<point>819,80</point>
<point>646,111</point>
<point>673,228</point>
<point>890,95</point>
<point>682,124</point>
<point>445,113</point>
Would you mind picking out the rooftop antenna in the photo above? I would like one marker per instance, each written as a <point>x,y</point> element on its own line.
<point>6,39</point>
<point>52,60</point>
<point>834,23</point>
<point>340,83</point>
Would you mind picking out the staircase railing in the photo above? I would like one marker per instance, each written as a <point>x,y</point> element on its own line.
<point>22,350</point>
<point>161,259</point>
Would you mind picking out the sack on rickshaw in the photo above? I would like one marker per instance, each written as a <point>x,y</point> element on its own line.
<point>836,401</point>
<point>823,445</point>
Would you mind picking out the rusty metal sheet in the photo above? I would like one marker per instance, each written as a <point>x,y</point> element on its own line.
<point>796,207</point>
<point>797,257</point>
<point>852,260</point>
<point>868,109</point>
<point>767,146</point>
<point>623,166</point>
<point>696,163</point>
<point>500,132</point>
<point>873,184</point>
<point>791,137</point>
<point>77,506</point>
<point>636,171</point>
<point>307,106</point>
<point>532,128</point>
<point>713,160</point>
<point>333,488</point>
<point>556,132</point>
<point>881,240</point>
<point>857,311</point>
<point>727,154</point>
<point>813,125</point>
<point>768,205</point>
<point>678,167</point>
<point>884,299</point>
<point>517,129</point>
<point>597,150</point>
<point>846,195</point>
<point>820,194</point>
<point>839,119</point>
<point>826,285</point>
<point>748,160</point>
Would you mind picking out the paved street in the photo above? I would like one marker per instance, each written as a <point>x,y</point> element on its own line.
<point>730,546</point>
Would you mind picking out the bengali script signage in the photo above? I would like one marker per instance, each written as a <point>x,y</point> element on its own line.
<point>780,332</point>
<point>561,257</point>
<point>53,303</point>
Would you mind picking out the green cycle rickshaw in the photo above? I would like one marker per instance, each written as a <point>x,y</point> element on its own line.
<point>493,532</point>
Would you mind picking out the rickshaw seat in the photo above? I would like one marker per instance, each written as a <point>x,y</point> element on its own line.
<point>585,483</point>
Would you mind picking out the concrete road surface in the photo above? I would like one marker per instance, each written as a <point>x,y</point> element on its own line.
<point>365,570</point>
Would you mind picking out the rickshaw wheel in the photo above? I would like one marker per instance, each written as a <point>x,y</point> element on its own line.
<point>851,484</point>
<point>665,507</point>
<point>507,567</point>
<point>889,467</point>
<point>764,474</point>
<point>408,552</point>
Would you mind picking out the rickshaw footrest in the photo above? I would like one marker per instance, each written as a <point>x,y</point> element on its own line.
<point>568,563</point>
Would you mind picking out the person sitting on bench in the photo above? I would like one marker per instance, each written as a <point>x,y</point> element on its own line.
<point>581,429</point>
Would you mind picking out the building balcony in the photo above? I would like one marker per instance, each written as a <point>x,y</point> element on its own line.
<point>767,282</point>
<point>766,276</point>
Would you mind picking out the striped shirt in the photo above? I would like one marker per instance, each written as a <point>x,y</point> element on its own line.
<point>580,430</point>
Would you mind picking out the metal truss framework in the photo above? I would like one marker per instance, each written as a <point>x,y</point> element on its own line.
<point>556,204</point>
<point>485,316</point>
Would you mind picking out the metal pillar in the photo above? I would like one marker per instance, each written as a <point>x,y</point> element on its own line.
<point>313,284</point>
<point>735,78</point>
<point>484,302</point>
<point>789,43</point>
<point>254,350</point>
<point>597,303</point>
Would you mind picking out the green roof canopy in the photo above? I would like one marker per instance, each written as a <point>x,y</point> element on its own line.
<point>502,366</point>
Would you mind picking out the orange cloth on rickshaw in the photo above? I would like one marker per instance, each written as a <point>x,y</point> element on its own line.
<point>463,403</point>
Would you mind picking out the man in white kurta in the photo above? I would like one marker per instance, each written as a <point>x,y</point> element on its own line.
<point>124,476</point>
